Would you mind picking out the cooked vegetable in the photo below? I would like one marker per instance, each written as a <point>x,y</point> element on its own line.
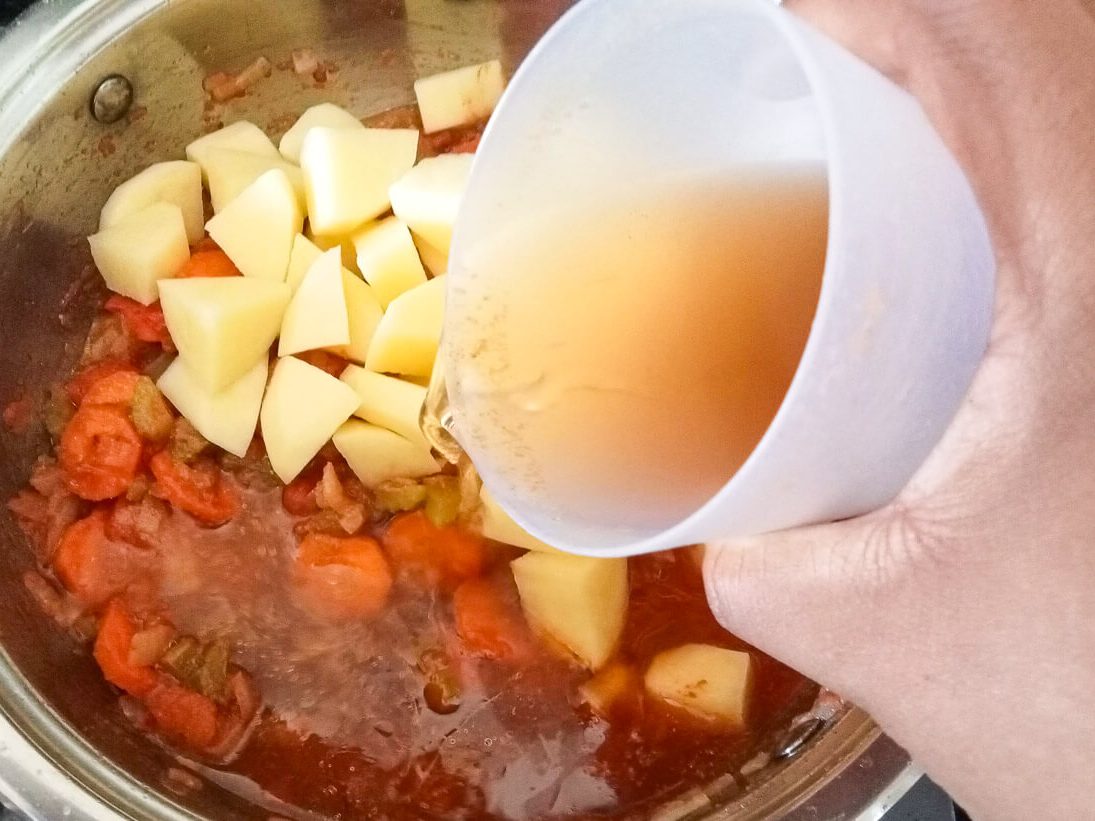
<point>461,96</point>
<point>100,452</point>
<point>498,525</point>
<point>398,495</point>
<point>427,198</point>
<point>299,496</point>
<point>710,682</point>
<point>231,171</point>
<point>239,136</point>
<point>187,444</point>
<point>324,115</point>
<point>489,625</point>
<point>144,322</point>
<point>212,679</point>
<point>112,648</point>
<point>377,455</point>
<point>148,645</point>
<point>342,578</point>
<point>406,340</point>
<point>56,413</point>
<point>442,499</point>
<point>183,715</point>
<point>388,259</point>
<point>223,326</point>
<point>439,556</point>
<point>137,252</point>
<point>77,387</point>
<point>176,182</point>
<point>208,261</point>
<point>388,402</point>
<point>317,315</point>
<point>183,659</point>
<point>114,389</point>
<point>578,601</point>
<point>151,416</point>
<point>199,489</point>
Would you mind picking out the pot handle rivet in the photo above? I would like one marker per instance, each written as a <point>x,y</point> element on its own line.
<point>112,99</point>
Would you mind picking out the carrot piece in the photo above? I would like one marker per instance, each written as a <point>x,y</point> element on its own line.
<point>342,578</point>
<point>113,389</point>
<point>79,562</point>
<point>81,383</point>
<point>100,452</point>
<point>183,715</point>
<point>144,322</point>
<point>208,261</point>
<point>199,489</point>
<point>488,624</point>
<point>441,556</point>
<point>116,631</point>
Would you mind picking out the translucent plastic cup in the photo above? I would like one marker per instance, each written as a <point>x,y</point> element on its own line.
<point>622,92</point>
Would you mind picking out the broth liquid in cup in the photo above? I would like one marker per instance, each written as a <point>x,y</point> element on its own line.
<point>649,343</point>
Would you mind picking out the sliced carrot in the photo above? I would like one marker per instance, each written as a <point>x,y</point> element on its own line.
<point>145,322</point>
<point>488,623</point>
<point>100,452</point>
<point>440,556</point>
<point>208,261</point>
<point>78,561</point>
<point>199,489</point>
<point>116,631</point>
<point>183,715</point>
<point>342,578</point>
<point>81,383</point>
<point>113,389</point>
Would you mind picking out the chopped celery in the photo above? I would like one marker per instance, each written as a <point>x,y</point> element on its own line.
<point>442,499</point>
<point>397,495</point>
<point>151,416</point>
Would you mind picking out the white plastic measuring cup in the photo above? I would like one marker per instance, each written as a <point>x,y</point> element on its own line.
<point>622,93</point>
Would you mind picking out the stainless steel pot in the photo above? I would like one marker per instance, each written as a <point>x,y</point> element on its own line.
<point>65,749</point>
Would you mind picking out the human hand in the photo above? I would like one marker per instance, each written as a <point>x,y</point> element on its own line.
<point>962,615</point>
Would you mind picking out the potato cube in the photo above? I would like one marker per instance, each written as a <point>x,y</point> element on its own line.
<point>239,136</point>
<point>498,525</point>
<point>407,338</point>
<point>324,115</point>
<point>230,172</point>
<point>177,182</point>
<point>302,257</point>
<point>257,228</point>
<point>316,316</point>
<point>347,173</point>
<point>134,254</point>
<point>710,682</point>
<point>578,601</point>
<point>228,417</point>
<point>376,454</point>
<point>364,314</point>
<point>428,198</point>
<point>303,407</point>
<point>459,97</point>
<point>222,325</point>
<point>388,402</point>
<point>388,259</point>
<point>435,260</point>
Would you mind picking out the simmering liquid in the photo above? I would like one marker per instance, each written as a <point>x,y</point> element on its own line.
<point>627,361</point>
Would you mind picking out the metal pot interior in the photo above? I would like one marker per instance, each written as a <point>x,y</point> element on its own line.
<point>57,166</point>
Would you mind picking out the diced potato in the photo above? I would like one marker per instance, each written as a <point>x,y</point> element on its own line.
<point>177,182</point>
<point>239,136</point>
<point>460,97</point>
<point>316,316</point>
<point>324,115</point>
<point>301,258</point>
<point>256,230</point>
<point>707,681</point>
<point>498,525</point>
<point>435,260</point>
<point>580,602</point>
<point>343,243</point>
<point>230,172</point>
<point>226,418</point>
<point>222,325</point>
<point>364,314</point>
<point>377,454</point>
<point>610,687</point>
<point>303,407</point>
<point>347,174</point>
<point>428,197</point>
<point>388,258</point>
<point>388,402</point>
<point>133,255</point>
<point>408,336</point>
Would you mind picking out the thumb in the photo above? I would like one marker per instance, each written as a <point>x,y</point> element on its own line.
<point>817,598</point>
